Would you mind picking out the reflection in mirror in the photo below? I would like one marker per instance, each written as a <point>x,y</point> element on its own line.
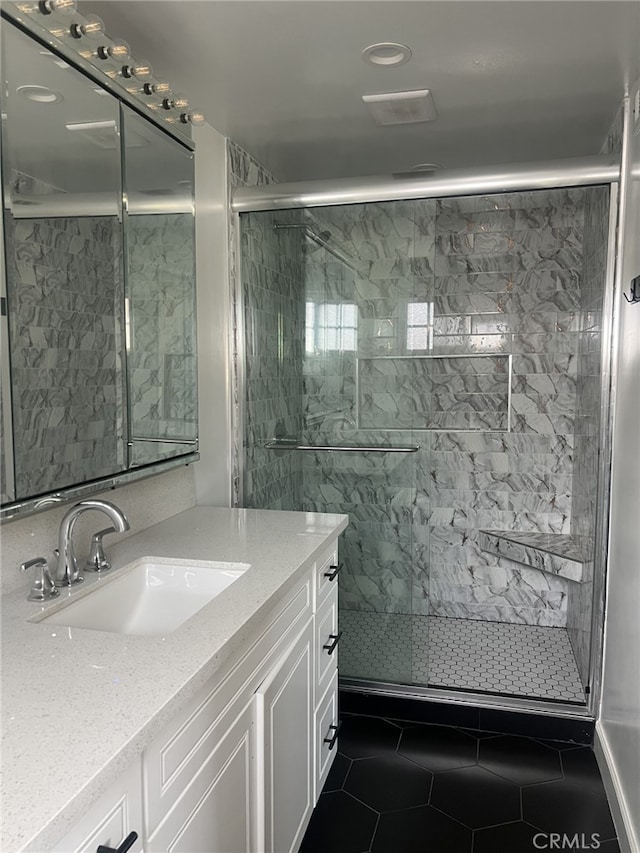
<point>160,290</point>
<point>7,491</point>
<point>62,193</point>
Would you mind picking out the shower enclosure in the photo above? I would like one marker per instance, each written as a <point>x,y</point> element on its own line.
<point>436,368</point>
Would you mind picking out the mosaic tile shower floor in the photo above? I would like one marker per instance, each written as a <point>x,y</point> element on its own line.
<point>463,654</point>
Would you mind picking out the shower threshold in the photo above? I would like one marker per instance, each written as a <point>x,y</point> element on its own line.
<point>500,658</point>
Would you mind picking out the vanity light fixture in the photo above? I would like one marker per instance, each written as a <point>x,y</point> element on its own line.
<point>387,54</point>
<point>110,56</point>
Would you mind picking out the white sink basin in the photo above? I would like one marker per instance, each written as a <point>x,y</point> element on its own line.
<point>152,595</point>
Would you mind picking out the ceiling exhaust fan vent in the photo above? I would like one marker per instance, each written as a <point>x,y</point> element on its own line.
<point>402,107</point>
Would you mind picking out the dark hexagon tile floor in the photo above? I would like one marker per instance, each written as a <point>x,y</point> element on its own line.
<point>405,788</point>
<point>520,759</point>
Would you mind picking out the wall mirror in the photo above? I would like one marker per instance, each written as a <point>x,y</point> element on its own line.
<point>159,275</point>
<point>98,309</point>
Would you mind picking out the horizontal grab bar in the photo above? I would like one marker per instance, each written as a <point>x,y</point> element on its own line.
<point>341,448</point>
<point>164,441</point>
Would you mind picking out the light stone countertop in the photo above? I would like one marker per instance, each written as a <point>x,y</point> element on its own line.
<point>78,706</point>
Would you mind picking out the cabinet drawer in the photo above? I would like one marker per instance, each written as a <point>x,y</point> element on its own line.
<point>175,756</point>
<point>117,813</point>
<point>326,717</point>
<point>326,636</point>
<point>326,576</point>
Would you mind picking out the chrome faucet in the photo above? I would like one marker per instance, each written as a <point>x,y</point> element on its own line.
<point>68,572</point>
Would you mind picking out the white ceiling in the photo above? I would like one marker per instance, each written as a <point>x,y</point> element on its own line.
<point>512,80</point>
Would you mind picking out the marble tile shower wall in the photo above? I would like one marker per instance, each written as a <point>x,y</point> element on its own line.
<point>523,252</point>
<point>273,298</point>
<point>500,276</point>
<point>67,391</point>
<point>162,357</point>
<point>264,297</point>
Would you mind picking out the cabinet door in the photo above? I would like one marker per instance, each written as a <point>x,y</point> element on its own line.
<point>176,755</point>
<point>117,813</point>
<point>285,711</point>
<point>217,812</point>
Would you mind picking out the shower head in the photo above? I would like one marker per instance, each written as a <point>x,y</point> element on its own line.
<point>318,240</point>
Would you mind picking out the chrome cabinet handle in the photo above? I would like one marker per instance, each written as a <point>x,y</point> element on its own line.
<point>332,574</point>
<point>332,738</point>
<point>127,844</point>
<point>335,639</point>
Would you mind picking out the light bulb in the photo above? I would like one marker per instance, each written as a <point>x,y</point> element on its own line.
<point>138,68</point>
<point>118,50</point>
<point>194,117</point>
<point>180,102</point>
<point>49,6</point>
<point>92,26</point>
<point>163,90</point>
<point>142,70</point>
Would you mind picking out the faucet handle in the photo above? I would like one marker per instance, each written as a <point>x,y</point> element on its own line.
<point>97,560</point>
<point>43,587</point>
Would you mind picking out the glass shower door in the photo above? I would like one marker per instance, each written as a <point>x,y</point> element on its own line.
<point>336,306</point>
<point>360,392</point>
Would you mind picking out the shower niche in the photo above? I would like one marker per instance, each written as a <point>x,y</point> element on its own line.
<point>437,366</point>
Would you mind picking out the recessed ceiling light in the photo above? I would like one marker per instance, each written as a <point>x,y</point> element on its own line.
<point>426,167</point>
<point>40,94</point>
<point>387,53</point>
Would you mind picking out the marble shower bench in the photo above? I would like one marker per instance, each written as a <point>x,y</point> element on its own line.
<point>557,553</point>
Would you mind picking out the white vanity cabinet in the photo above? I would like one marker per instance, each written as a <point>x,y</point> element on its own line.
<point>226,746</point>
<point>240,769</point>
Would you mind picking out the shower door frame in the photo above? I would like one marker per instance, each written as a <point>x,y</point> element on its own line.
<point>578,172</point>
